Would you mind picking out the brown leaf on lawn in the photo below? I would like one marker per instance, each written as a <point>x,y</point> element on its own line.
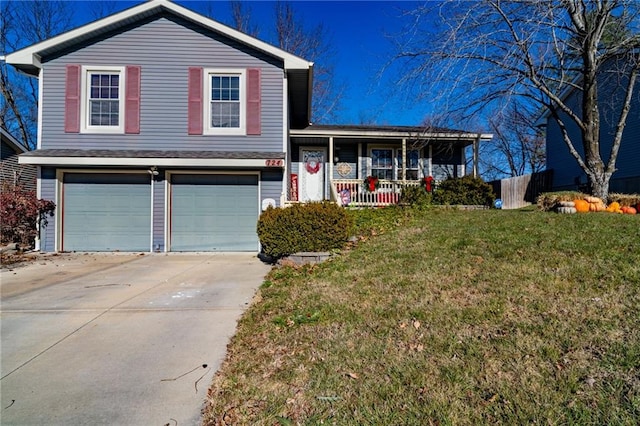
<point>416,324</point>
<point>353,375</point>
<point>403,325</point>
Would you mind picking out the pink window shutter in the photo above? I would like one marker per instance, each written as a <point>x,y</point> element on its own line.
<point>195,101</point>
<point>254,101</point>
<point>72,100</point>
<point>132,100</point>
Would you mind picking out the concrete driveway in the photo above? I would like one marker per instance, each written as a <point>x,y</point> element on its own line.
<point>118,339</point>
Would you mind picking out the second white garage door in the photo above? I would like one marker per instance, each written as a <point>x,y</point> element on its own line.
<point>214,212</point>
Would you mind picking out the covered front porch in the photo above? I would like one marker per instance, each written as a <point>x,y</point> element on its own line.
<point>332,162</point>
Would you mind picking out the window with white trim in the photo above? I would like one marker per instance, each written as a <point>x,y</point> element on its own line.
<point>413,164</point>
<point>225,112</point>
<point>102,108</point>
<point>382,163</point>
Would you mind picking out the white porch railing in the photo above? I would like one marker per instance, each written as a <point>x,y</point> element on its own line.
<point>387,193</point>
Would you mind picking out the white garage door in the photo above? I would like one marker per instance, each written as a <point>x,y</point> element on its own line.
<point>214,212</point>
<point>106,212</point>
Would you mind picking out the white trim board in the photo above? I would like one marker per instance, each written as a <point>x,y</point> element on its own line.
<point>148,162</point>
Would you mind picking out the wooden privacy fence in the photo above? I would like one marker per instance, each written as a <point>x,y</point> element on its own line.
<point>521,191</point>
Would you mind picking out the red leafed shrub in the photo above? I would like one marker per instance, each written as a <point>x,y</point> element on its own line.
<point>20,213</point>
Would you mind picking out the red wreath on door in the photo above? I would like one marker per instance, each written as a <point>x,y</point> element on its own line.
<point>312,166</point>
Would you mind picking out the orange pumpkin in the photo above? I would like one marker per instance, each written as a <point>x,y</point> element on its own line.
<point>614,207</point>
<point>628,210</point>
<point>582,206</point>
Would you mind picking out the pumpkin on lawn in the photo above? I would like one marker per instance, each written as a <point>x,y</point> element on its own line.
<point>614,207</point>
<point>582,206</point>
<point>628,210</point>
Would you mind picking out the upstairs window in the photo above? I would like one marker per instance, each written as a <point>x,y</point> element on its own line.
<point>103,100</point>
<point>226,106</point>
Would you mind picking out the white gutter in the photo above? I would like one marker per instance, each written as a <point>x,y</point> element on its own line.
<point>386,134</point>
<point>147,162</point>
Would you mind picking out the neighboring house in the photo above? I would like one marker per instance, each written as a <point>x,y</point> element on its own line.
<point>12,173</point>
<point>567,174</point>
<point>163,130</point>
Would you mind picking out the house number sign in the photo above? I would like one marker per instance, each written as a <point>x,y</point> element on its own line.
<point>274,163</point>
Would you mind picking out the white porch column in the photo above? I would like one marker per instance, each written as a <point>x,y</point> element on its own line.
<point>404,159</point>
<point>330,168</point>
<point>476,148</point>
<point>359,167</point>
<point>430,168</point>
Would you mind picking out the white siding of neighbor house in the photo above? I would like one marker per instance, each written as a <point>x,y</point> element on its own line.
<point>564,165</point>
<point>164,49</point>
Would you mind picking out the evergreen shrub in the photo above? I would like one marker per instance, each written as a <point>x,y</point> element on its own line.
<point>467,190</point>
<point>307,227</point>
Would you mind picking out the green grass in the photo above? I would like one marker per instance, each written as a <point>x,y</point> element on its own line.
<point>447,317</point>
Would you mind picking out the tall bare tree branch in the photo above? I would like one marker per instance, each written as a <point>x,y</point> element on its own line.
<point>25,23</point>
<point>474,56</point>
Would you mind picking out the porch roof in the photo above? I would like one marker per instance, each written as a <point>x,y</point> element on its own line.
<point>392,132</point>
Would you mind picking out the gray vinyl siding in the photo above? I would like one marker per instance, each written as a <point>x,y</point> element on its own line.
<point>271,186</point>
<point>159,188</point>
<point>12,173</point>
<point>347,154</point>
<point>48,192</point>
<point>164,49</point>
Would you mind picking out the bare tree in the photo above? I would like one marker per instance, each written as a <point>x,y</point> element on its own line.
<point>517,147</point>
<point>25,23</point>
<point>474,55</point>
<point>241,16</point>
<point>103,8</point>
<point>313,45</point>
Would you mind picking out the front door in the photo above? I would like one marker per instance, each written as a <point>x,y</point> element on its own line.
<point>312,172</point>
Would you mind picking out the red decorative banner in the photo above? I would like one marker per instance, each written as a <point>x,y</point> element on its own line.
<point>293,189</point>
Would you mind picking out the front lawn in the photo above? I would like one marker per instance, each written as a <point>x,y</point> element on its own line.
<point>447,317</point>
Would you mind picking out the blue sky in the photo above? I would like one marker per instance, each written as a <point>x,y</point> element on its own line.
<point>359,34</point>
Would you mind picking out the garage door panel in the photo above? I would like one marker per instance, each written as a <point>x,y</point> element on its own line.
<point>106,212</point>
<point>214,213</point>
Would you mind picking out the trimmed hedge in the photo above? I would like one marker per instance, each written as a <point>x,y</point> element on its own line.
<point>466,190</point>
<point>416,196</point>
<point>303,228</point>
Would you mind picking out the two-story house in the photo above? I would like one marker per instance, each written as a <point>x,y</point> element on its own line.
<point>163,130</point>
<point>567,174</point>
